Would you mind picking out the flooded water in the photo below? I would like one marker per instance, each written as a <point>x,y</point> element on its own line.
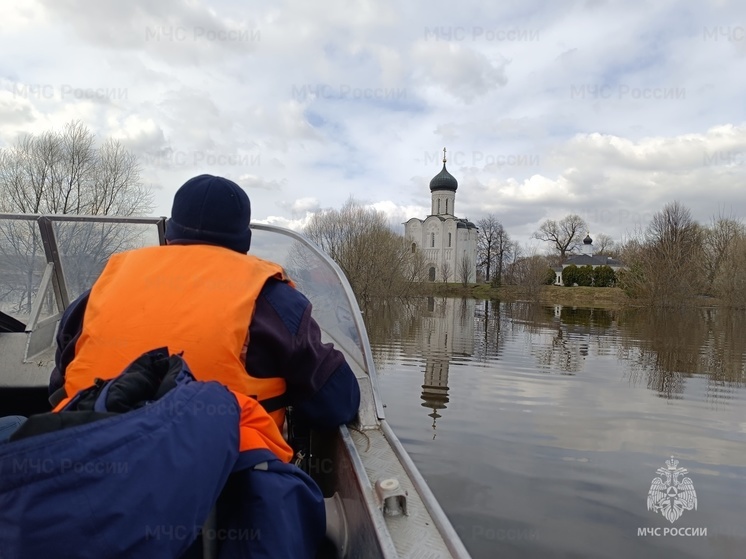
<point>546,431</point>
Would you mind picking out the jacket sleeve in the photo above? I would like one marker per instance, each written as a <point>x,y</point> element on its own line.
<point>68,332</point>
<point>285,340</point>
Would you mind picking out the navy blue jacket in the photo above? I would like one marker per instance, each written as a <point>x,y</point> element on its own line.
<point>132,468</point>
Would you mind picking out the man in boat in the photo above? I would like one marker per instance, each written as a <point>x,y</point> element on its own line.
<point>237,319</point>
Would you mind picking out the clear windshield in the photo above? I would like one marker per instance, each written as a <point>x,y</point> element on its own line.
<point>22,264</point>
<point>81,247</point>
<point>316,278</point>
<point>85,247</point>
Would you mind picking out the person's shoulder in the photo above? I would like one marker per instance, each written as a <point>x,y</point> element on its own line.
<point>277,291</point>
<point>289,303</point>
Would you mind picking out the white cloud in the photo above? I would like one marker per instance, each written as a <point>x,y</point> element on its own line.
<point>280,221</point>
<point>252,182</point>
<point>459,70</point>
<point>135,132</point>
<point>304,205</point>
<point>576,111</point>
<point>17,17</point>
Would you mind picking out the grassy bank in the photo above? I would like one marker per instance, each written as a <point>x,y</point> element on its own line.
<point>606,297</point>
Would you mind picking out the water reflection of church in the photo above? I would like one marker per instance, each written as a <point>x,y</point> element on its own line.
<point>446,331</point>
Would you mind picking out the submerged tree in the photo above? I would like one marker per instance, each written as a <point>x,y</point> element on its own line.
<point>665,262</point>
<point>376,260</point>
<point>530,272</point>
<point>725,261</point>
<point>721,255</point>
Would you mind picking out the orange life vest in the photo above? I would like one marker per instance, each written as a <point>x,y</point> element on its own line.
<point>195,299</point>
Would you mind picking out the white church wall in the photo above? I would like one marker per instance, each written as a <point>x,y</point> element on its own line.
<point>440,238</point>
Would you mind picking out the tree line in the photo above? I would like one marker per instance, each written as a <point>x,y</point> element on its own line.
<point>672,261</point>
<point>66,172</point>
<point>675,259</point>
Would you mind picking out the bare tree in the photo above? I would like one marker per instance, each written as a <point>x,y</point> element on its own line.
<point>514,254</point>
<point>486,241</point>
<point>493,248</point>
<point>327,230</point>
<point>66,173</point>
<point>564,236</point>
<point>729,283</point>
<point>717,242</point>
<point>504,250</point>
<point>376,260</point>
<point>665,262</point>
<point>414,269</point>
<point>464,269</point>
<point>724,249</point>
<point>604,245</point>
<point>530,273</point>
<point>445,271</point>
<point>487,232</point>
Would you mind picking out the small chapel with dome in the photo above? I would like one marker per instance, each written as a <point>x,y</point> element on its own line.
<point>586,258</point>
<point>449,243</point>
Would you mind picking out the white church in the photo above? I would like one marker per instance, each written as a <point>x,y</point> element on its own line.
<point>449,243</point>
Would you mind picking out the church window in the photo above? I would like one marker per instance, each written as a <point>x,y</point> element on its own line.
<point>414,247</point>
<point>439,205</point>
<point>432,240</point>
<point>449,238</point>
<point>446,205</point>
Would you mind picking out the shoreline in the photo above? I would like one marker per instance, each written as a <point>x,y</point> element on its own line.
<point>600,297</point>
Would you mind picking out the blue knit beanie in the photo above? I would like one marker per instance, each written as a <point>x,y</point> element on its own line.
<point>213,210</point>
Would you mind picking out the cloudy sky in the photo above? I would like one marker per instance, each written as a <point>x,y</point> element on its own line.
<point>602,108</point>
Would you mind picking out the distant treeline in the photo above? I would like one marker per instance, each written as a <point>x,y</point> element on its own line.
<point>671,262</point>
<point>675,259</point>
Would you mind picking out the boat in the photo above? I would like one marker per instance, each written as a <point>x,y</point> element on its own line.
<point>378,503</point>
